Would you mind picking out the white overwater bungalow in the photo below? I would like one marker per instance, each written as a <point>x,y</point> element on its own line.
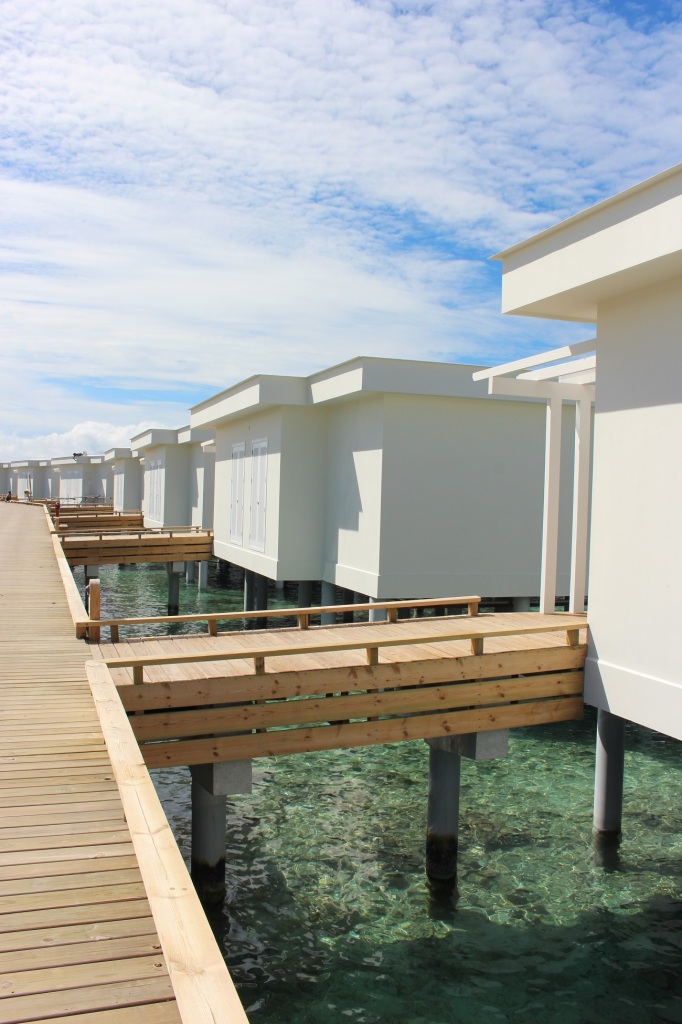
<point>619,266</point>
<point>389,478</point>
<point>126,470</point>
<point>83,479</point>
<point>27,479</point>
<point>5,478</point>
<point>178,470</point>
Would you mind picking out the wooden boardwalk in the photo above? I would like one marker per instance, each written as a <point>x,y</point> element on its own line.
<point>99,923</point>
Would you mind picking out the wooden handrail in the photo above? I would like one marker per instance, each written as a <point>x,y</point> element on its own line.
<point>571,624</point>
<point>301,613</point>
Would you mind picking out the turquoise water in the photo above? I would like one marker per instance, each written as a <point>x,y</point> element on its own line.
<point>328,916</point>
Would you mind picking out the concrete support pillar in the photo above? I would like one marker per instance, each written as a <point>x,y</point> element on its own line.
<point>305,593</point>
<point>261,598</point>
<point>208,843</point>
<point>211,783</point>
<point>203,575</point>
<point>521,604</point>
<point>279,586</point>
<point>376,614</point>
<point>328,597</point>
<point>347,598</point>
<point>442,815</point>
<point>91,572</point>
<point>608,776</point>
<point>190,571</point>
<point>249,595</point>
<point>174,571</point>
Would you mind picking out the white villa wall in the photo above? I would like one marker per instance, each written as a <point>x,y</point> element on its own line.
<point>51,478</point>
<point>70,484</point>
<point>127,484</point>
<point>28,480</point>
<point>303,502</point>
<point>5,478</point>
<point>201,486</point>
<point>167,486</point>
<point>636,555</point>
<point>462,497</point>
<point>355,438</point>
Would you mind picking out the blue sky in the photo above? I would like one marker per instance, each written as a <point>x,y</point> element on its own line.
<point>193,192</point>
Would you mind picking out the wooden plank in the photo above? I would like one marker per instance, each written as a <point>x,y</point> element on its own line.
<point>59,917</point>
<point>82,932</point>
<point>80,1000</point>
<point>223,690</point>
<point>27,902</point>
<point>72,976</point>
<point>154,1013</point>
<point>329,737</point>
<point>167,725</point>
<point>79,953</point>
<point>66,867</point>
<point>201,983</point>
<point>60,883</point>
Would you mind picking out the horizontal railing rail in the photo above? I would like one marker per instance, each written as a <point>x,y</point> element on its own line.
<point>303,615</point>
<point>571,624</point>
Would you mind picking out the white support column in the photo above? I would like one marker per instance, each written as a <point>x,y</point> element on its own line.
<point>550,522</point>
<point>581,495</point>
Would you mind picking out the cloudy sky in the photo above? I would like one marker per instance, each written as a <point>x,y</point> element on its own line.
<point>193,191</point>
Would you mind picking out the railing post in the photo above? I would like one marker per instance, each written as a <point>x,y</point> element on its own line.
<point>212,627</point>
<point>113,631</point>
<point>477,645</point>
<point>93,595</point>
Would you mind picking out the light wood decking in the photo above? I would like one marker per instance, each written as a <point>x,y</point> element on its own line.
<point>99,923</point>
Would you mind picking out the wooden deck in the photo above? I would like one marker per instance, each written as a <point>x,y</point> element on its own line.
<point>99,923</point>
<point>110,546</point>
<point>201,699</point>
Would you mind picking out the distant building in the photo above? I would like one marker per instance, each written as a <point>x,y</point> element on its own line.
<point>27,479</point>
<point>82,479</point>
<point>178,476</point>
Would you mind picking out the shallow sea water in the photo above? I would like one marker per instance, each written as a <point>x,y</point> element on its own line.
<point>328,916</point>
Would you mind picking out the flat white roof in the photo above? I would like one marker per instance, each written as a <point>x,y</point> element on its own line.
<point>621,244</point>
<point>362,375</point>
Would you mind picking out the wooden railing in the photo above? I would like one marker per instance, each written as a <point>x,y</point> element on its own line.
<point>202,712</point>
<point>303,615</point>
<point>371,646</point>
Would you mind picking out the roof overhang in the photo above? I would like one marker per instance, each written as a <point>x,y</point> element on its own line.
<point>622,244</point>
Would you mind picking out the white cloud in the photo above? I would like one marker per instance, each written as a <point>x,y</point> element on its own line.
<point>194,192</point>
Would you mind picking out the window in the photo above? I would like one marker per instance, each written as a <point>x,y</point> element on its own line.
<point>259,469</point>
<point>237,495</point>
